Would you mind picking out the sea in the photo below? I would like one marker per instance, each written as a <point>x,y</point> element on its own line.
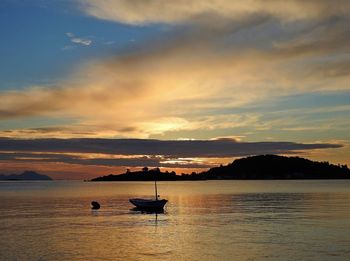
<point>203,220</point>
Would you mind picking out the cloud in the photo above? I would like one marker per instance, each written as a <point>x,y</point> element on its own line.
<point>78,40</point>
<point>219,55</point>
<point>67,47</point>
<point>151,147</point>
<point>173,12</point>
<point>100,160</point>
<point>81,41</point>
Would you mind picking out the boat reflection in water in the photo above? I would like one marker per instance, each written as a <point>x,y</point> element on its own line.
<point>148,210</point>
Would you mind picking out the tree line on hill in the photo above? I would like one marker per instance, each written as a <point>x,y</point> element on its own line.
<point>259,167</point>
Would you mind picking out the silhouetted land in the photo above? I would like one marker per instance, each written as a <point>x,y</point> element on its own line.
<point>250,168</point>
<point>26,175</point>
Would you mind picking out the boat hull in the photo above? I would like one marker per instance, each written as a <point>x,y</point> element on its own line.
<point>148,204</point>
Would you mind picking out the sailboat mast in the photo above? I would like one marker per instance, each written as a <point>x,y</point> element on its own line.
<point>155,187</point>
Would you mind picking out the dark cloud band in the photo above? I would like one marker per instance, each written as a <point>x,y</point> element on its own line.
<point>30,157</point>
<point>169,148</point>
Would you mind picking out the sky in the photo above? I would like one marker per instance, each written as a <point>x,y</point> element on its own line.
<point>89,88</point>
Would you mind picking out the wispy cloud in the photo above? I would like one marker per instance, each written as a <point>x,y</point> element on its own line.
<point>79,40</point>
<point>70,35</point>
<point>67,47</point>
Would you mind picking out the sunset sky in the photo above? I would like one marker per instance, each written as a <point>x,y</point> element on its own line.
<point>89,87</point>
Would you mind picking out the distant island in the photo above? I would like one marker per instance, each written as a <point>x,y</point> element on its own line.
<point>261,167</point>
<point>26,175</point>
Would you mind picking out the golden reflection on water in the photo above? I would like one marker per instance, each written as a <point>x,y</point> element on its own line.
<point>214,220</point>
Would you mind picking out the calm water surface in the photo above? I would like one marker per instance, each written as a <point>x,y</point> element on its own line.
<point>209,220</point>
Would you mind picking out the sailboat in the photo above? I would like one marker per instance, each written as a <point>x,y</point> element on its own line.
<point>149,204</point>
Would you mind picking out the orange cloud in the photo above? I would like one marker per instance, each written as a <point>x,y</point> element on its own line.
<point>172,83</point>
<point>155,11</point>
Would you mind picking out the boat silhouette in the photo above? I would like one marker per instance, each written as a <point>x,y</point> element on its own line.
<point>149,204</point>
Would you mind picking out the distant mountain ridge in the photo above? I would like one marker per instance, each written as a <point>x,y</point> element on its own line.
<point>259,167</point>
<point>26,175</point>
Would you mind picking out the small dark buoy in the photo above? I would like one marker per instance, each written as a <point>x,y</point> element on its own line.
<point>95,205</point>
